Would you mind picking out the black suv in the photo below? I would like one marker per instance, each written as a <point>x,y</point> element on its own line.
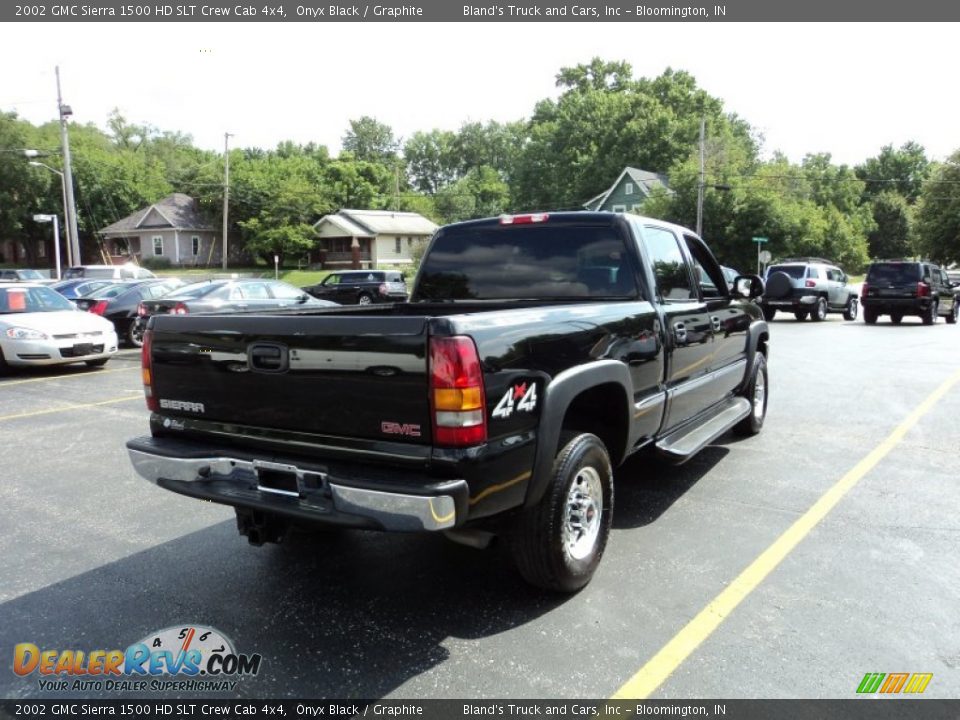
<point>908,287</point>
<point>361,287</point>
<point>808,287</point>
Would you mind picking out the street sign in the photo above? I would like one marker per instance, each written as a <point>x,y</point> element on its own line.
<point>761,239</point>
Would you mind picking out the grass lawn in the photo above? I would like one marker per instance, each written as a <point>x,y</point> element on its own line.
<point>299,278</point>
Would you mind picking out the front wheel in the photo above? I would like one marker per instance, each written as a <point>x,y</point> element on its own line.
<point>952,317</point>
<point>850,311</point>
<point>756,393</point>
<point>557,544</point>
<point>135,334</point>
<point>820,311</point>
<point>364,299</point>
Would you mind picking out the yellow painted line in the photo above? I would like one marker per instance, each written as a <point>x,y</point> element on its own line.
<point>35,413</point>
<point>87,374</point>
<point>671,656</point>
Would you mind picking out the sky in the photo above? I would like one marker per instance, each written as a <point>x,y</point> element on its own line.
<point>846,89</point>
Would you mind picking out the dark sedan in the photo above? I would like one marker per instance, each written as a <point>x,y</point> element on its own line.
<point>118,302</point>
<point>361,287</point>
<point>73,289</point>
<point>224,296</point>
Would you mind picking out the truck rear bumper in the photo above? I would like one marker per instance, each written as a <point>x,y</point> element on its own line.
<point>305,491</point>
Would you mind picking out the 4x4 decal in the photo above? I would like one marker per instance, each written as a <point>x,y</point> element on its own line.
<point>517,398</point>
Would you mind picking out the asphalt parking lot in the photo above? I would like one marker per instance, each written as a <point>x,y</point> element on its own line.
<point>862,420</point>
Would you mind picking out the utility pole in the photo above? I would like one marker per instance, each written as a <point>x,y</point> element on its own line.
<point>226,193</point>
<point>73,235</point>
<point>700,185</point>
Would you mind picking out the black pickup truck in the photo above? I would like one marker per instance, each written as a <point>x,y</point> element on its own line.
<point>537,352</point>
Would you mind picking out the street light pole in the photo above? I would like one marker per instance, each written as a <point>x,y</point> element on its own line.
<point>56,236</point>
<point>226,194</point>
<point>65,112</point>
<point>63,191</point>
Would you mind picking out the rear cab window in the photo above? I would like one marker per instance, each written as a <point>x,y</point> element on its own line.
<point>530,261</point>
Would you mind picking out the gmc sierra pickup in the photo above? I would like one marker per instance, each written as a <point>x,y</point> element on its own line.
<point>537,352</point>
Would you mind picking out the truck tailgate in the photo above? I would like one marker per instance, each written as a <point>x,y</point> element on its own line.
<point>350,375</point>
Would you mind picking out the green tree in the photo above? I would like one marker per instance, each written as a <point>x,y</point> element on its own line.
<point>938,213</point>
<point>370,140</point>
<point>902,170</point>
<point>893,217</point>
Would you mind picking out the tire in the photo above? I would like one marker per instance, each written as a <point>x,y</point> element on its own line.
<point>364,299</point>
<point>779,285</point>
<point>869,316</point>
<point>769,314</point>
<point>135,334</point>
<point>801,315</point>
<point>756,393</point>
<point>4,368</point>
<point>850,311</point>
<point>549,543</point>
<point>819,313</point>
<point>930,316</point>
<point>96,363</point>
<point>896,319</point>
<point>952,317</point>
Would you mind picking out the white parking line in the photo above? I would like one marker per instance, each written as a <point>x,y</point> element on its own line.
<point>66,377</point>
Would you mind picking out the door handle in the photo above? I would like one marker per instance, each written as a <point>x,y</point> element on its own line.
<point>715,321</point>
<point>680,332</point>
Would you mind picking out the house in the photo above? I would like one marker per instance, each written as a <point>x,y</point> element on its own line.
<point>172,228</point>
<point>368,238</point>
<point>629,191</point>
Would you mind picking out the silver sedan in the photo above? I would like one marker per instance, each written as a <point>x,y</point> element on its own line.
<point>38,326</point>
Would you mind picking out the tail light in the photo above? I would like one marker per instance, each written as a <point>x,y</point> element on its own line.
<point>383,289</point>
<point>179,309</point>
<point>146,370</point>
<point>456,393</point>
<point>864,289</point>
<point>923,290</point>
<point>810,283</point>
<point>523,219</point>
<point>99,308</point>
<point>141,310</point>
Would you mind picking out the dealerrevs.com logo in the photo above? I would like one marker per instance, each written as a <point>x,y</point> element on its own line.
<point>179,658</point>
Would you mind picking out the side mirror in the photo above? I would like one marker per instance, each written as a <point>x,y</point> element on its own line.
<point>748,286</point>
<point>302,299</point>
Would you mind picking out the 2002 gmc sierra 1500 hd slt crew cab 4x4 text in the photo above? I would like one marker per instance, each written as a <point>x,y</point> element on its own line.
<point>537,352</point>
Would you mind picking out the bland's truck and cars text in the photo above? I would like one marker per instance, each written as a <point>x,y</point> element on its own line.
<point>536,353</point>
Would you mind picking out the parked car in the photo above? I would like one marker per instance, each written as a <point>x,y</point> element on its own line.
<point>79,287</point>
<point>38,326</point>
<point>129,271</point>
<point>223,296</point>
<point>24,276</point>
<point>119,302</point>
<point>808,287</point>
<point>361,287</point>
<point>907,287</point>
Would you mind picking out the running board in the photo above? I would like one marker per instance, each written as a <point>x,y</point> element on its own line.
<point>680,445</point>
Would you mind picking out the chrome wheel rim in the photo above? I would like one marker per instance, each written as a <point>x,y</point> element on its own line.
<point>853,309</point>
<point>759,395</point>
<point>821,310</point>
<point>364,300</point>
<point>583,514</point>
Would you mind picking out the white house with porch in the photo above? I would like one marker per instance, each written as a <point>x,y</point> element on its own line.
<point>368,238</point>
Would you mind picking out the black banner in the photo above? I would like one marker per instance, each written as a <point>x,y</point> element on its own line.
<point>637,11</point>
<point>862,709</point>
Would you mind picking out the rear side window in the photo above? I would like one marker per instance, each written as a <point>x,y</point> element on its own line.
<point>893,273</point>
<point>795,271</point>
<point>493,262</point>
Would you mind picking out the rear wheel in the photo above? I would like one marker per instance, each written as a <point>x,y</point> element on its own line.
<point>850,311</point>
<point>558,543</point>
<point>895,319</point>
<point>869,316</point>
<point>819,312</point>
<point>801,315</point>
<point>756,393</point>
<point>135,334</point>
<point>769,313</point>
<point>930,316</point>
